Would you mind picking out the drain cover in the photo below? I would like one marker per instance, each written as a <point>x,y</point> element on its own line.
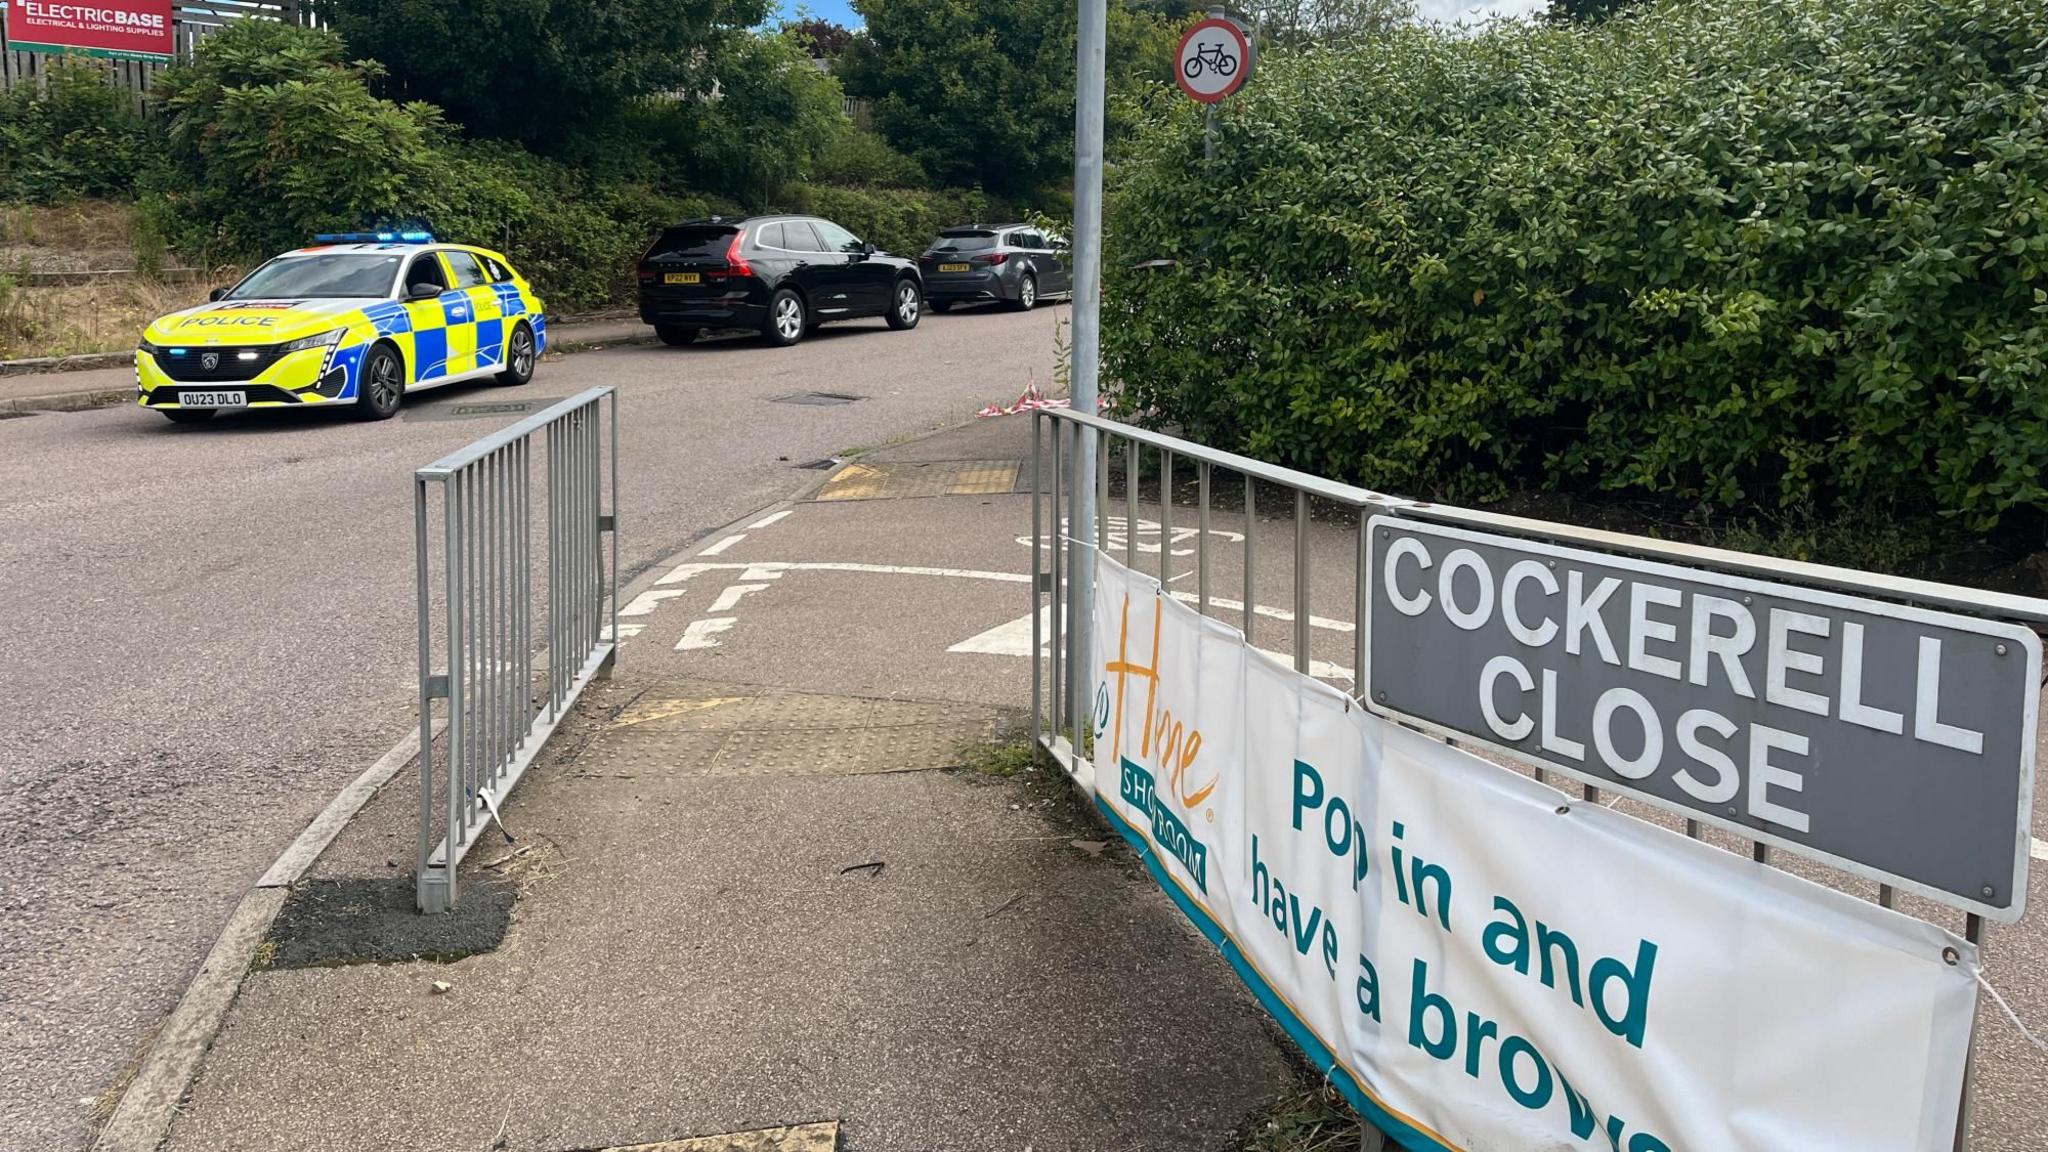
<point>476,409</point>
<point>817,398</point>
<point>817,465</point>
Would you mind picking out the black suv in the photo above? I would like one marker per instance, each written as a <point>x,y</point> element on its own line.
<point>781,276</point>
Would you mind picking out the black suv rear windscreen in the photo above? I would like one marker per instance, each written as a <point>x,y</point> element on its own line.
<point>964,242</point>
<point>692,242</point>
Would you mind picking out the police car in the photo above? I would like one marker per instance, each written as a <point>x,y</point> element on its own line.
<point>360,318</point>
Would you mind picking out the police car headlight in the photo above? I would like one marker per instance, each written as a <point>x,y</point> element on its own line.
<point>321,341</point>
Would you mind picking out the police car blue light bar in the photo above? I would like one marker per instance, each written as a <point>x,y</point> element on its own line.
<point>374,238</point>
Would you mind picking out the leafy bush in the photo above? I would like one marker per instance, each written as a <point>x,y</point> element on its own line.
<point>980,91</point>
<point>898,220</point>
<point>273,137</point>
<point>543,72</point>
<point>859,157</point>
<point>774,115</point>
<point>1775,252</point>
<point>80,136</point>
<point>577,243</point>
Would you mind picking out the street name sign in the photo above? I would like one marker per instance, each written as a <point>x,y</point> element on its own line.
<point>1891,741</point>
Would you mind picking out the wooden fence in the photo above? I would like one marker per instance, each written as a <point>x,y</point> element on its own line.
<point>191,22</point>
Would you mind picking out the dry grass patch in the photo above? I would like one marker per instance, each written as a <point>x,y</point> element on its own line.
<point>69,320</point>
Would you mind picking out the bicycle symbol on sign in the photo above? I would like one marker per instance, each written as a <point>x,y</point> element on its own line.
<point>1209,56</point>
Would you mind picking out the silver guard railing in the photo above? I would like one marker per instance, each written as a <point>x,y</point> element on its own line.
<point>1073,452</point>
<point>502,701</point>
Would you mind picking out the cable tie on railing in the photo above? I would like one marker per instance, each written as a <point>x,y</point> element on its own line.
<point>483,798</point>
<point>2011,1015</point>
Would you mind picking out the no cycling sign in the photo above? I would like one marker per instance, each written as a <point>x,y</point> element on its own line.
<point>1215,60</point>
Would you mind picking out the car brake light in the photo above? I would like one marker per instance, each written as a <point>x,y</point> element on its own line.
<point>645,274</point>
<point>992,258</point>
<point>736,265</point>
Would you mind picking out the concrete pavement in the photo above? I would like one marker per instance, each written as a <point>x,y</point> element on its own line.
<point>840,593</point>
<point>745,904</point>
<point>211,629</point>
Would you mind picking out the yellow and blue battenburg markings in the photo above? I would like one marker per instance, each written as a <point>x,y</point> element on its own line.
<point>247,345</point>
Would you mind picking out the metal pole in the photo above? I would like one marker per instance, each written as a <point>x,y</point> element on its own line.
<point>1165,518</point>
<point>1038,419</point>
<point>426,608</point>
<point>1973,931</point>
<point>1087,343</point>
<point>1301,636</point>
<point>1216,12</point>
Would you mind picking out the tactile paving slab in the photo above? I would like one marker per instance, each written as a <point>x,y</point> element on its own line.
<point>906,479</point>
<point>688,730</point>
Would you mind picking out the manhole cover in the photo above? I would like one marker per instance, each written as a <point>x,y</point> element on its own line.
<point>477,409</point>
<point>817,398</point>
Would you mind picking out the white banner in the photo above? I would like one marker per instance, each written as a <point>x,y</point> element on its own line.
<point>1485,965</point>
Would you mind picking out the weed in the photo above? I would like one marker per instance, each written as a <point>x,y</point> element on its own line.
<point>1313,1118</point>
<point>997,758</point>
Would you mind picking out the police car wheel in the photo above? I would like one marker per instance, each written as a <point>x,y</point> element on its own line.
<point>519,357</point>
<point>189,415</point>
<point>382,385</point>
<point>786,320</point>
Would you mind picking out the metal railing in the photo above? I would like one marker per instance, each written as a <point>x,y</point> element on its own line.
<point>502,700</point>
<point>1061,577</point>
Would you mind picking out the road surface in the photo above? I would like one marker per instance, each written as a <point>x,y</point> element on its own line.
<point>209,630</point>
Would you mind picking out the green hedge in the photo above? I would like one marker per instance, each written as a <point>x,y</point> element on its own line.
<point>78,136</point>
<point>274,136</point>
<point>1755,252</point>
<point>899,220</point>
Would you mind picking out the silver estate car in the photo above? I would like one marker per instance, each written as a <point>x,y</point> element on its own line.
<point>1015,264</point>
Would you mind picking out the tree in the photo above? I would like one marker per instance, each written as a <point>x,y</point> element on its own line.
<point>1291,22</point>
<point>540,71</point>
<point>273,136</point>
<point>823,39</point>
<point>1587,11</point>
<point>982,91</point>
<point>773,116</point>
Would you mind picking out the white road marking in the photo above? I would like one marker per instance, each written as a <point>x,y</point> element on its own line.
<point>700,632</point>
<point>645,603</point>
<point>730,598</point>
<point>770,569</point>
<point>770,518</point>
<point>1013,638</point>
<point>1267,611</point>
<point>628,631</point>
<point>722,545</point>
<point>1010,639</point>
<point>2040,848</point>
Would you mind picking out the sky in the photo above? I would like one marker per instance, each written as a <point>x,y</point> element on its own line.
<point>841,11</point>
